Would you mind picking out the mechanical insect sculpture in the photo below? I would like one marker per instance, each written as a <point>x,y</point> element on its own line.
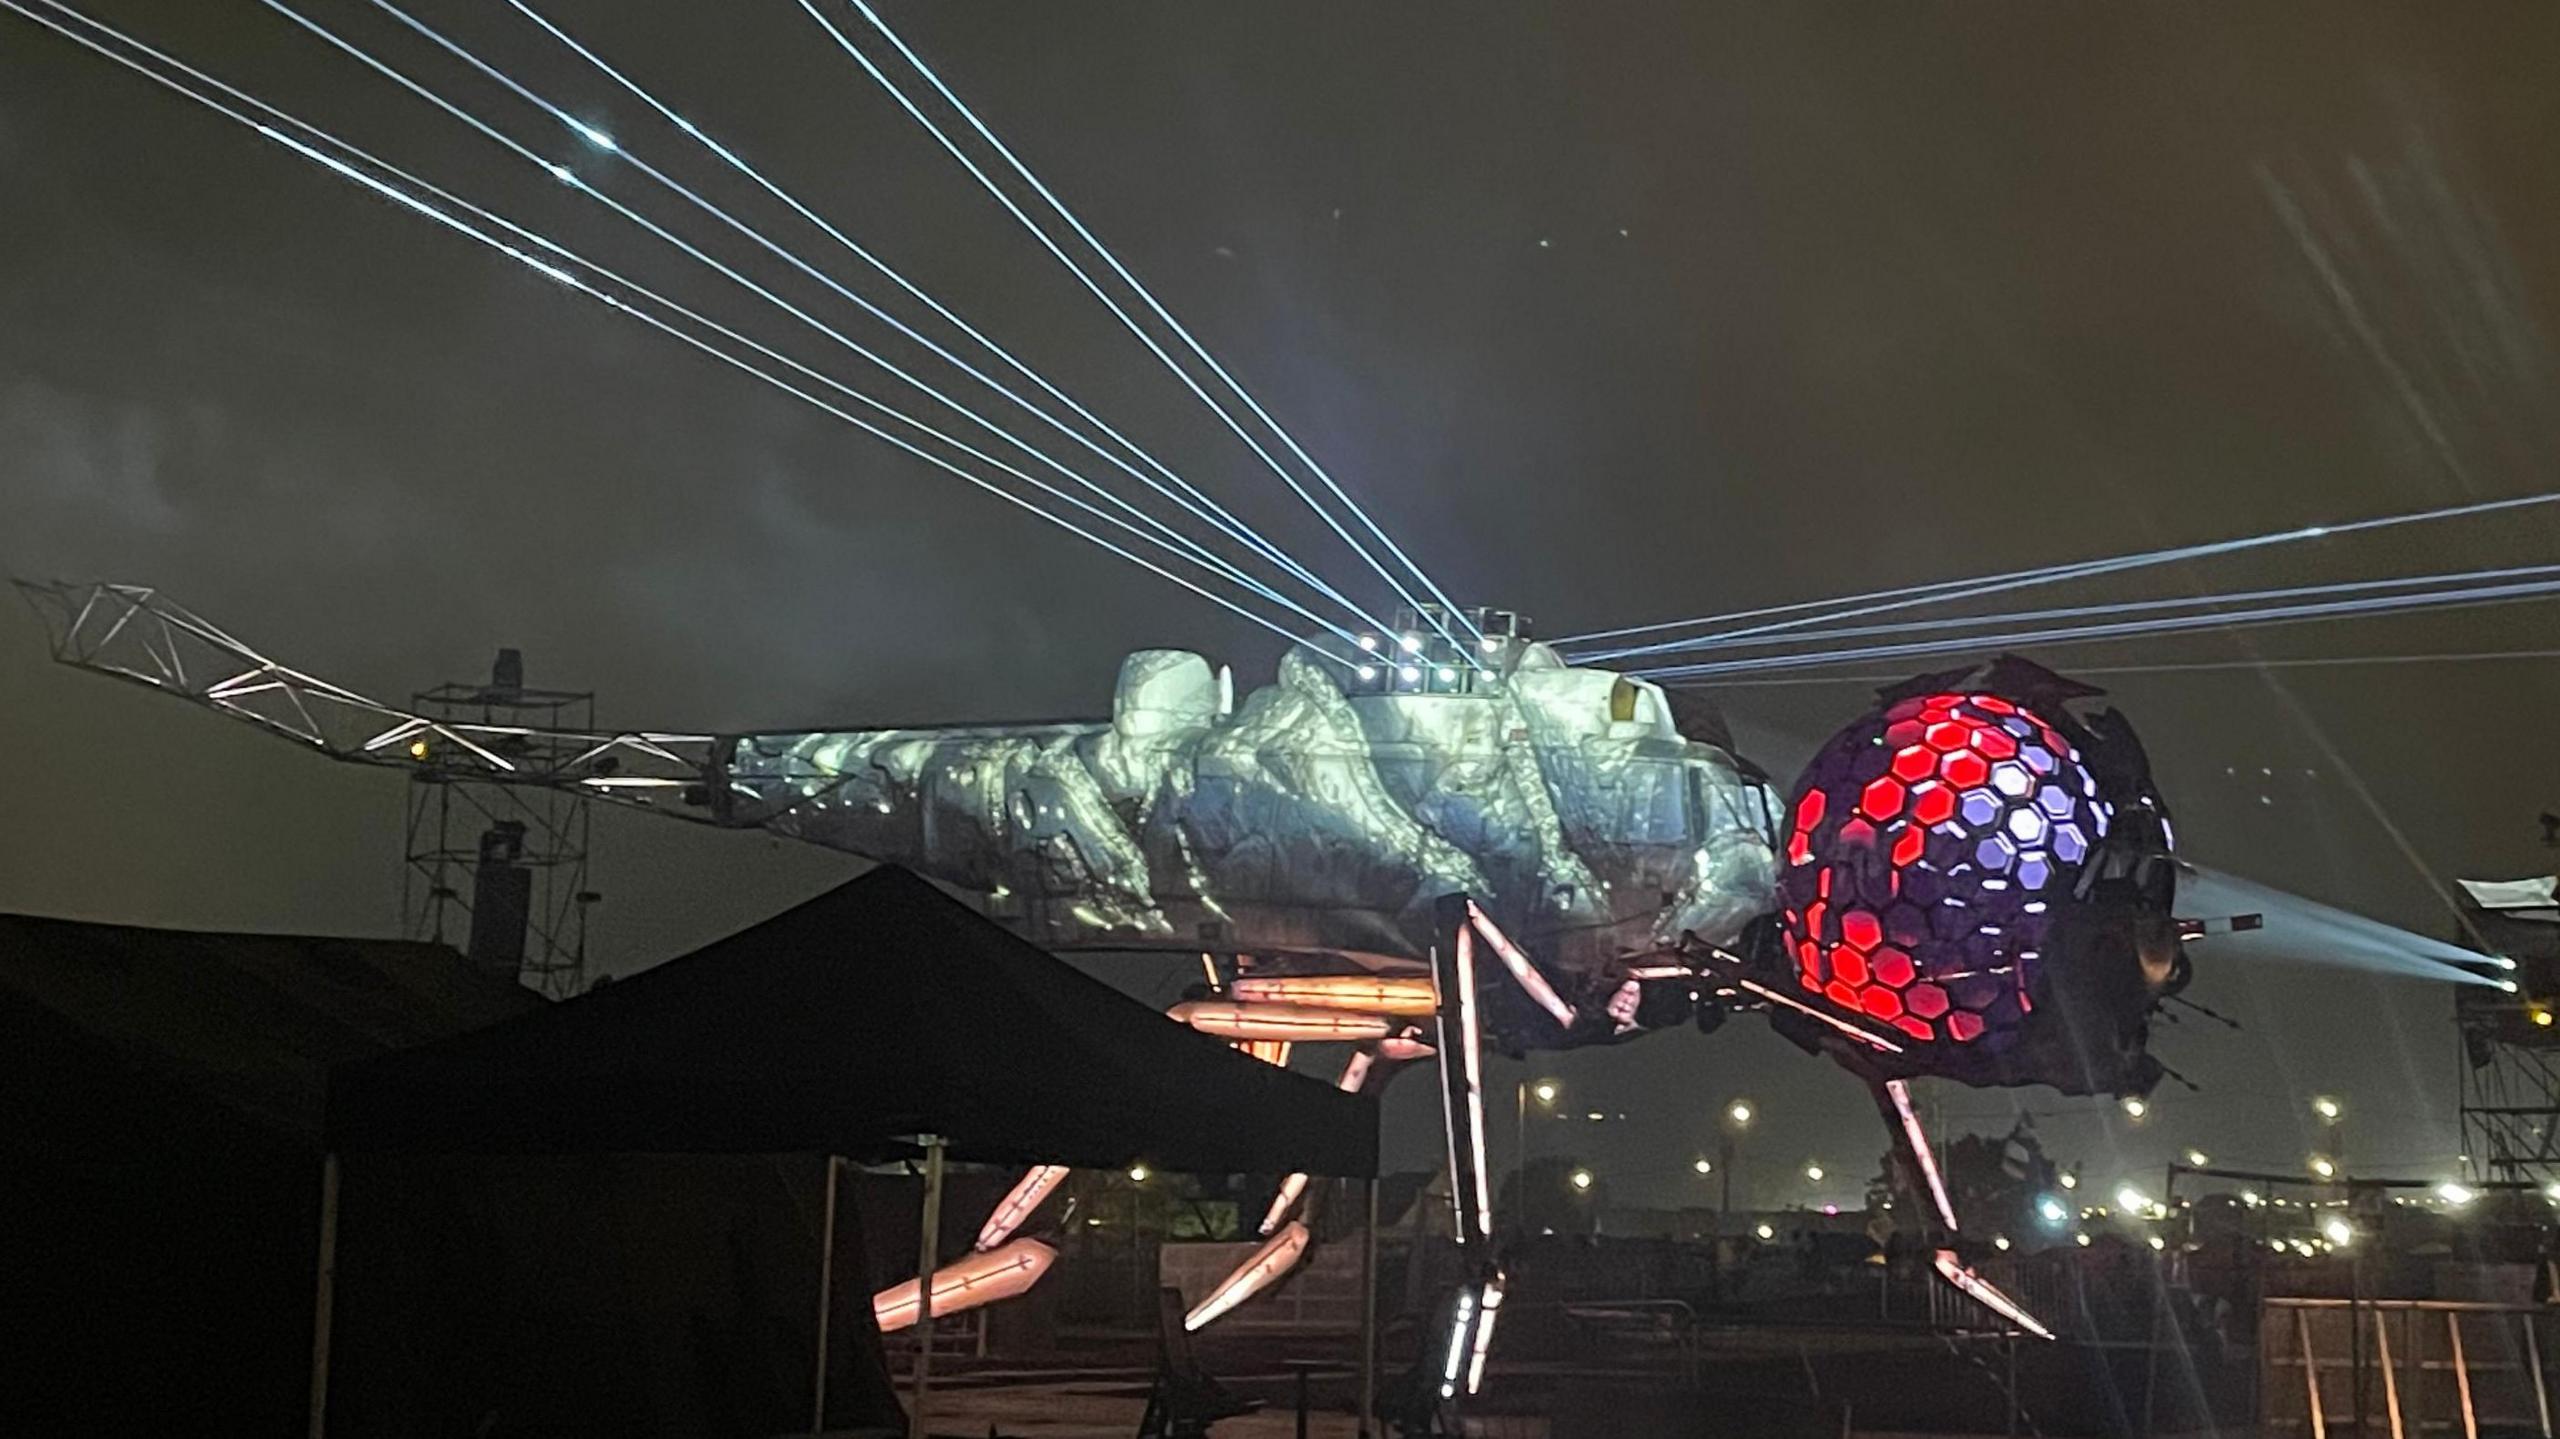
<point>1424,855</point>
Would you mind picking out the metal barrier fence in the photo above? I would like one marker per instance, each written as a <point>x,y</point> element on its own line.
<point>2401,1367</point>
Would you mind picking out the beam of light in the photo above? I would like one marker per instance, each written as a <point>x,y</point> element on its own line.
<point>1042,235</point>
<point>413,203</point>
<point>2124,629</point>
<point>1190,550</point>
<point>1027,1195</point>
<point>1937,624</point>
<point>1268,1266</point>
<point>1460,1321</point>
<point>1899,1091</point>
<point>1875,1041</point>
<point>1182,492</point>
<point>1982,1291</point>
<point>2307,932</point>
<point>972,1281</point>
<point>1488,1310</point>
<point>1907,596</point>
<point>2174,667</point>
<point>1355,1073</point>
<point>1408,996</point>
<point>1524,973</point>
<point>1228,1020</point>
<point>1471,1041</point>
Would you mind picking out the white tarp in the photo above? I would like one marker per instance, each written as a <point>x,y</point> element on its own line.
<point>2536,898</point>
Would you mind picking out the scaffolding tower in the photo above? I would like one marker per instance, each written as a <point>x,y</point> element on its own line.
<point>501,867</point>
<point>2511,1048</point>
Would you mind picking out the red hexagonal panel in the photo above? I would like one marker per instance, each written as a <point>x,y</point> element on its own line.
<point>1917,1028</point>
<point>1994,744</point>
<point>1964,769</point>
<point>1915,763</point>
<point>1882,1003</point>
<point>1962,1026</point>
<point>1892,966</point>
<point>1907,846</point>
<point>1933,803</point>
<point>1926,1000</point>
<point>1946,735</point>
<point>1882,798</point>
<point>1861,929</point>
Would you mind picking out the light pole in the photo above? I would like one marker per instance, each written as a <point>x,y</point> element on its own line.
<point>1737,1118</point>
<point>1545,1091</point>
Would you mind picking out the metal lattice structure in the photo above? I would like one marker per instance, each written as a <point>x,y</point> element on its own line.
<point>479,758</point>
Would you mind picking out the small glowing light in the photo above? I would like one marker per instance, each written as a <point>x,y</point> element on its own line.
<point>417,749</point>
<point>1581,1179</point>
<point>1410,674</point>
<point>2070,1181</point>
<point>2541,1017</point>
<point>2135,1106</point>
<point>1492,643</point>
<point>1702,1166</point>
<point>1596,1116</point>
<point>1765,1232</point>
<point>1813,1172</point>
<point>1411,644</point>
<point>2338,1230</point>
<point>1446,675</point>
<point>2455,1192</point>
<point>595,137</point>
<point>2159,1243</point>
<point>2080,1239</point>
<point>2507,985</point>
<point>561,174</point>
<point>2551,1191</point>
<point>2321,1166</point>
<point>2327,1109</point>
<point>1368,672</point>
<point>2132,1200</point>
<point>2000,1242</point>
<point>1740,1113</point>
<point>1369,643</point>
<point>2251,1198</point>
<point>2051,1211</point>
<point>1546,1091</point>
<point>2198,1158</point>
<point>1138,1174</point>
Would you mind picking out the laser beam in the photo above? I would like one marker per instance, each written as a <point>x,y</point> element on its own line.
<point>1182,491</point>
<point>1142,292</point>
<point>570,281</point>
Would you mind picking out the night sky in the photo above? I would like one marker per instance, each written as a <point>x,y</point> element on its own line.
<point>1610,313</point>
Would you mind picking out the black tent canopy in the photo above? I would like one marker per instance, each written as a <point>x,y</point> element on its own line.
<point>879,1010</point>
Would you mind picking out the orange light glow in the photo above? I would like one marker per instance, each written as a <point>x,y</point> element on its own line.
<point>1988,1294</point>
<point>1407,995</point>
<point>1026,1196</point>
<point>1279,1021</point>
<point>1269,1051</point>
<point>1268,1266</point>
<point>965,1285</point>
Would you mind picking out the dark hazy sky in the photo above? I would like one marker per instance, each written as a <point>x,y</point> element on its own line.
<point>1610,312</point>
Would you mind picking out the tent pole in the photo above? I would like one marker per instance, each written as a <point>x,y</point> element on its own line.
<point>928,1259</point>
<point>826,1297</point>
<point>324,1294</point>
<point>1369,1310</point>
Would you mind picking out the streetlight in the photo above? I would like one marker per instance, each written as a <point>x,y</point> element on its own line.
<point>1703,1165</point>
<point>2338,1230</point>
<point>2198,1159</point>
<point>2328,1109</point>
<point>1581,1179</point>
<point>2135,1107</point>
<point>2455,1193</point>
<point>1737,1118</point>
<point>1813,1173</point>
<point>1138,1174</point>
<point>2321,1165</point>
<point>1545,1091</point>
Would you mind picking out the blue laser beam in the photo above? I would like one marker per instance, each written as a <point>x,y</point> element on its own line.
<point>414,204</point>
<point>1126,319</point>
<point>2235,619</point>
<point>660,177</point>
<point>1944,590</point>
<point>1184,493</point>
<point>1193,552</point>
